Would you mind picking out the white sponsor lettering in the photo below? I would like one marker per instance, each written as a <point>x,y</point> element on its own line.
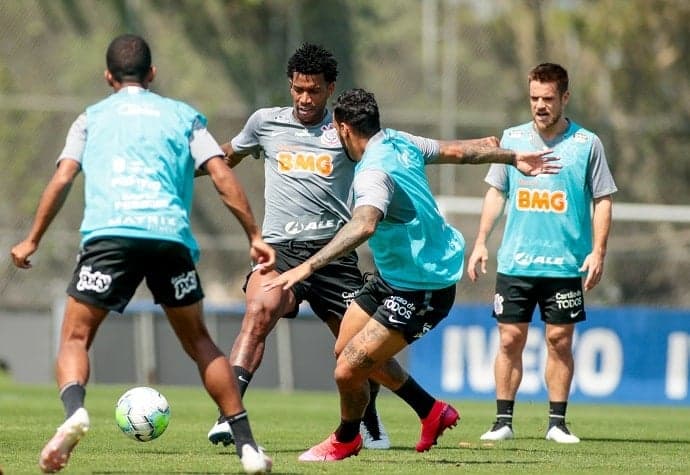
<point>468,355</point>
<point>677,355</point>
<point>525,259</point>
<point>598,362</point>
<point>295,227</point>
<point>95,281</point>
<point>184,284</point>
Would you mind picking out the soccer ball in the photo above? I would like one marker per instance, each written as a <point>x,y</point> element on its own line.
<point>142,413</point>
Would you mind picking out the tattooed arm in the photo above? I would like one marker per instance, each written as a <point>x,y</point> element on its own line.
<point>355,232</point>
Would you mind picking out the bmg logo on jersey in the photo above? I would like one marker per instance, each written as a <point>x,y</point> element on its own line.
<point>321,164</point>
<point>541,200</point>
<point>184,284</point>
<point>94,281</point>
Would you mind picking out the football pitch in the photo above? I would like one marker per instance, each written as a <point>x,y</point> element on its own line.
<point>615,439</point>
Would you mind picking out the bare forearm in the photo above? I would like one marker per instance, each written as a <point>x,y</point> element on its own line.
<point>350,236</point>
<point>601,224</point>
<point>492,209</point>
<point>467,152</point>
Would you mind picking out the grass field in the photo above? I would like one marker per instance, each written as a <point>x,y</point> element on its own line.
<point>616,439</point>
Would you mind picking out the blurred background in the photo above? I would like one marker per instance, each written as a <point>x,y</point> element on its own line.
<point>439,68</point>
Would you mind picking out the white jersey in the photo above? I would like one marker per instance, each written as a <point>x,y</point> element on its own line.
<point>308,189</point>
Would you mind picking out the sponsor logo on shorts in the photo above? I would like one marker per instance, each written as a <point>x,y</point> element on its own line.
<point>568,300</point>
<point>400,310</point>
<point>424,331</point>
<point>184,284</point>
<point>575,314</point>
<point>94,281</point>
<point>498,304</point>
<point>348,297</point>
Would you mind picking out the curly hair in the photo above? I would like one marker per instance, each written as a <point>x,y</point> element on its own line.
<point>313,59</point>
<point>359,109</point>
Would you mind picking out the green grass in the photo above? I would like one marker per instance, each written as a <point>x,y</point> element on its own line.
<point>616,439</point>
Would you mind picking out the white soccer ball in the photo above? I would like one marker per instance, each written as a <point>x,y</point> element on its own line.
<point>142,413</point>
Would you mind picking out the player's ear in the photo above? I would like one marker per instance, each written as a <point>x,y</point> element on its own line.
<point>151,74</point>
<point>109,78</point>
<point>330,88</point>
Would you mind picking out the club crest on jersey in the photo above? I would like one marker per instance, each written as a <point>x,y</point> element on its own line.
<point>329,137</point>
<point>184,284</point>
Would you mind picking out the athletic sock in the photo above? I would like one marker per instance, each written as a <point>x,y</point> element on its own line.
<point>347,430</point>
<point>243,378</point>
<point>504,412</point>
<point>241,431</point>
<point>416,397</point>
<point>72,395</point>
<point>370,418</point>
<point>557,412</point>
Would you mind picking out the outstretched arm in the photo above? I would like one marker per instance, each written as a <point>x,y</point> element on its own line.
<point>486,150</point>
<point>355,232</point>
<point>233,196</point>
<point>50,203</point>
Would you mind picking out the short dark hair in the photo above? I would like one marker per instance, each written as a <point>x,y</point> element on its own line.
<point>550,72</point>
<point>313,59</point>
<point>128,58</point>
<point>358,109</point>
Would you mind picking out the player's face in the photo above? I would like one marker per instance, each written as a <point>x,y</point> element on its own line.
<point>547,105</point>
<point>310,94</point>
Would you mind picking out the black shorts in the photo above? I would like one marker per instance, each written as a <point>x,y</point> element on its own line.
<point>109,270</point>
<point>330,289</point>
<point>560,299</point>
<point>411,312</point>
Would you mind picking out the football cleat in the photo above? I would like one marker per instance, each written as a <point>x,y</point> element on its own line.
<point>221,433</point>
<point>560,433</point>
<point>56,452</point>
<point>499,431</point>
<point>255,460</point>
<point>331,449</point>
<point>441,417</point>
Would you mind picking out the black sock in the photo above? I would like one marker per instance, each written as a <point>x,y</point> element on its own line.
<point>72,395</point>
<point>370,418</point>
<point>243,378</point>
<point>504,411</point>
<point>347,430</point>
<point>241,431</point>
<point>416,397</point>
<point>557,412</point>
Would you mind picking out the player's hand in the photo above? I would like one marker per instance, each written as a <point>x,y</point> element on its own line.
<point>288,279</point>
<point>594,266</point>
<point>479,256</point>
<point>537,163</point>
<point>21,252</point>
<point>263,255</point>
